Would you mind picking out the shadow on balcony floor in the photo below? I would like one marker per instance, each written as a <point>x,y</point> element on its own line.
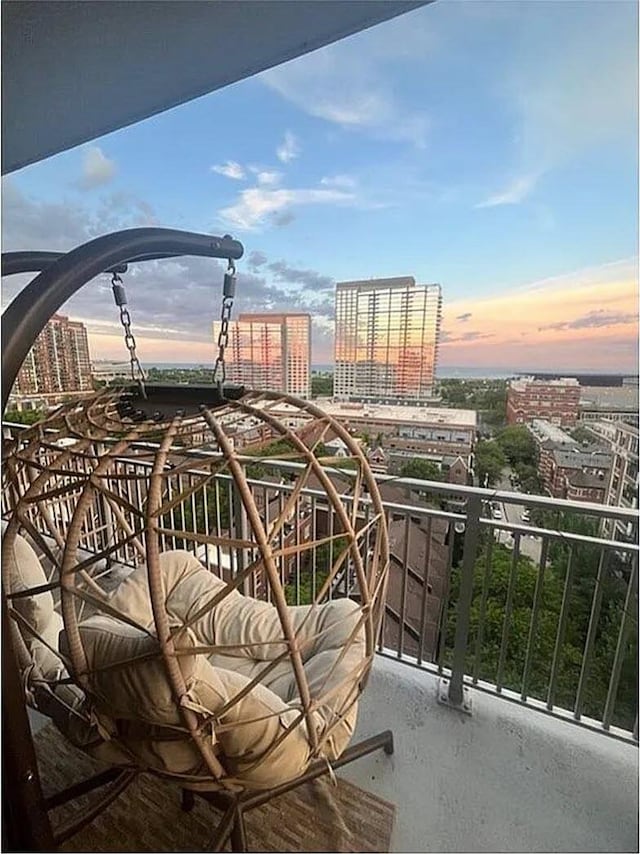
<point>507,778</point>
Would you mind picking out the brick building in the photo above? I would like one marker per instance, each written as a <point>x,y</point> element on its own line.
<point>586,486</point>
<point>567,468</point>
<point>407,433</point>
<point>582,471</point>
<point>58,361</point>
<point>556,401</point>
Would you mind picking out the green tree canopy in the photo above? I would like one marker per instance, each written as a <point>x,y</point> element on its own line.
<point>23,416</point>
<point>322,386</point>
<point>489,461</point>
<point>582,434</point>
<point>421,470</point>
<point>522,579</point>
<point>518,445</point>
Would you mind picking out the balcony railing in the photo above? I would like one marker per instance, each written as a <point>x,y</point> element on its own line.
<point>543,613</point>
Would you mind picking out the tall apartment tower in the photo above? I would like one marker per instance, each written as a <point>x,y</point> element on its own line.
<point>386,345</point>
<point>59,360</point>
<point>270,351</point>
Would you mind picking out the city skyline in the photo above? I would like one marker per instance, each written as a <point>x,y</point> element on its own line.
<point>472,144</point>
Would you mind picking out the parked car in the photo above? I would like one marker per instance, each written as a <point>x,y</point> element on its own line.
<point>496,512</point>
<point>526,515</point>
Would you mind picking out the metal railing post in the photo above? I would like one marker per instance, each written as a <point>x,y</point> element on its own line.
<point>455,694</point>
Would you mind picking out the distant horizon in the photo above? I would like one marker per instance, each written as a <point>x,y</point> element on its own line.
<point>444,371</point>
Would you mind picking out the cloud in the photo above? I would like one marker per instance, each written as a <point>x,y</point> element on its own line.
<point>583,93</point>
<point>33,224</point>
<point>256,204</point>
<point>289,149</point>
<point>348,84</point>
<point>230,169</point>
<point>283,272</point>
<point>583,320</point>
<point>267,178</point>
<point>343,181</point>
<point>282,218</point>
<point>256,259</point>
<point>464,317</point>
<point>172,302</point>
<point>514,193</point>
<point>597,319</point>
<point>97,169</point>
<point>446,338</point>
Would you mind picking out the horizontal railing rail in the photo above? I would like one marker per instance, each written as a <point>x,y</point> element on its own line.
<point>544,613</point>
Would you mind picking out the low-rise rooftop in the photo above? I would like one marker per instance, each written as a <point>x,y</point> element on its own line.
<point>406,414</point>
<point>622,398</point>
<point>545,431</point>
<point>578,458</point>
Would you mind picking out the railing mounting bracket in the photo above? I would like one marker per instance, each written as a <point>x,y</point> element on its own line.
<point>443,697</point>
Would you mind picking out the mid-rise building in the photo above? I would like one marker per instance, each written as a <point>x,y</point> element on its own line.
<point>445,437</point>
<point>270,351</point>
<point>598,403</point>
<point>106,371</point>
<point>58,362</point>
<point>386,341</point>
<point>567,468</point>
<point>556,401</point>
<point>622,485</point>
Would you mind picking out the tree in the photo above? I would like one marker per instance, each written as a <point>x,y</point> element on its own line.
<point>322,386</point>
<point>24,416</point>
<point>489,462</point>
<point>582,435</point>
<point>580,597</point>
<point>326,556</point>
<point>529,478</point>
<point>518,445</point>
<point>486,396</point>
<point>421,470</point>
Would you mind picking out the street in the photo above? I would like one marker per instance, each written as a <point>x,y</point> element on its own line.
<point>512,513</point>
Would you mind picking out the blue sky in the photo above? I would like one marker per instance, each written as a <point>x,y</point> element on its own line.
<point>490,147</point>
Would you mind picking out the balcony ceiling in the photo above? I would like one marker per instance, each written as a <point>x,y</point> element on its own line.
<point>74,71</point>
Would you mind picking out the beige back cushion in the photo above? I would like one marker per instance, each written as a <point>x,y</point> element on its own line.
<point>248,627</point>
<point>24,571</point>
<point>249,733</point>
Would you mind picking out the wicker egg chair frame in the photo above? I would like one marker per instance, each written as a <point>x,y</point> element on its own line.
<point>99,433</point>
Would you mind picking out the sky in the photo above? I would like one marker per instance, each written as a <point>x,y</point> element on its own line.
<point>491,147</point>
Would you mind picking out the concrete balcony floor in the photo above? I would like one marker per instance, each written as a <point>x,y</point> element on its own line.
<point>506,778</point>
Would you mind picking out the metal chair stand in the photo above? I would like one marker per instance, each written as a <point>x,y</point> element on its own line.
<point>234,806</point>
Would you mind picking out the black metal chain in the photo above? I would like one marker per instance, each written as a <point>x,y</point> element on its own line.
<point>120,297</point>
<point>228,294</point>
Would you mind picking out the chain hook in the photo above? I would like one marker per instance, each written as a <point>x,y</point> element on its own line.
<point>228,295</point>
<point>120,298</point>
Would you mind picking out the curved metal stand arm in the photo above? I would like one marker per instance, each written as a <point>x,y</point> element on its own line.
<point>27,315</point>
<point>33,262</point>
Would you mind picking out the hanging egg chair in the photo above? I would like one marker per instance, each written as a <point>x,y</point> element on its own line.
<point>195,583</point>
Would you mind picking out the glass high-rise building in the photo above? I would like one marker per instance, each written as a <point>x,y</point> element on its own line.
<point>270,351</point>
<point>386,345</point>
